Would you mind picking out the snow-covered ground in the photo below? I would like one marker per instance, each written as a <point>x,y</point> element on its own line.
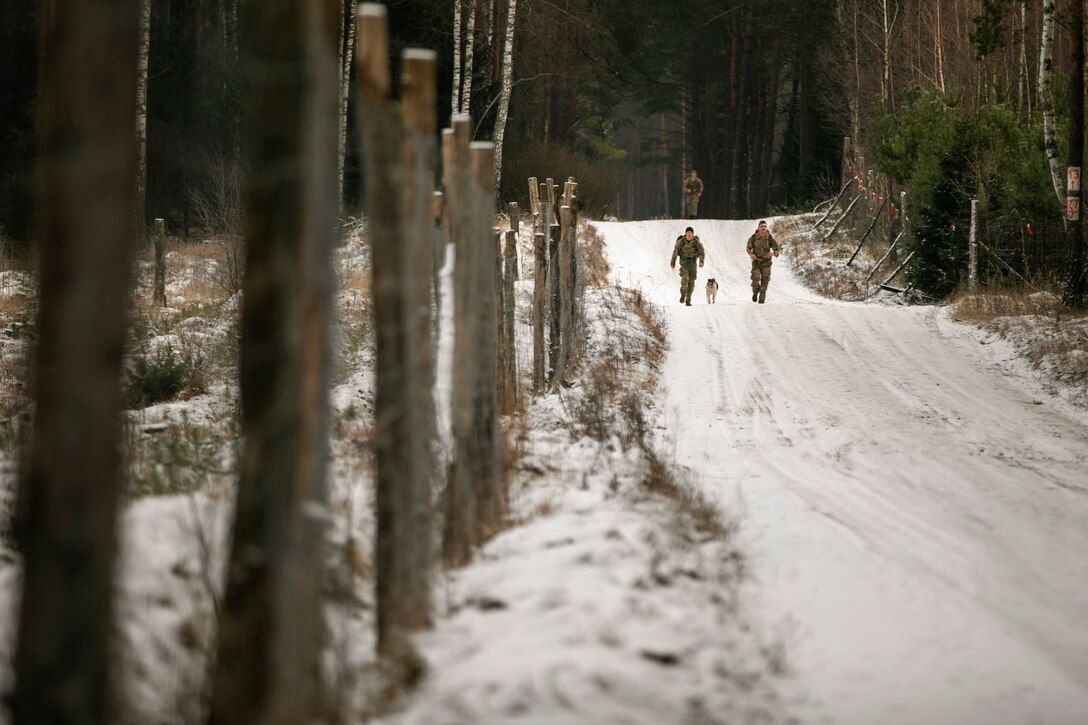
<point>897,526</point>
<point>916,520</point>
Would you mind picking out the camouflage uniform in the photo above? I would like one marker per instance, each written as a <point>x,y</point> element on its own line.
<point>689,251</point>
<point>761,247</point>
<point>693,189</point>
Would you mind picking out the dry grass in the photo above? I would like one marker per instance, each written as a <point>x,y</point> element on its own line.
<point>983,307</point>
<point>1051,337</point>
<point>705,517</point>
<point>596,265</point>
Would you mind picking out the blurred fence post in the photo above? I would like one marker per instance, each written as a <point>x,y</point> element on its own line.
<point>159,234</point>
<point>399,234</point>
<point>458,535</point>
<point>972,249</point>
<point>485,443</point>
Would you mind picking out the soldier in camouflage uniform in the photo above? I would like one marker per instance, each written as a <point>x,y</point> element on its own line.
<point>688,248</point>
<point>693,189</point>
<point>762,247</point>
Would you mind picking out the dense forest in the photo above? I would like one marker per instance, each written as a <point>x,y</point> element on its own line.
<point>940,98</point>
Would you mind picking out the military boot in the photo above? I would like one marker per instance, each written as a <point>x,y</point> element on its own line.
<point>682,295</point>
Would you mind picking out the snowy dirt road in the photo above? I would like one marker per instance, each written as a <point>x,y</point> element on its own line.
<point>917,522</point>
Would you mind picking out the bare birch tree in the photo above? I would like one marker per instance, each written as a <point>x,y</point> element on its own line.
<point>470,45</point>
<point>270,627</point>
<point>1046,101</point>
<point>70,482</point>
<point>507,87</point>
<point>455,106</point>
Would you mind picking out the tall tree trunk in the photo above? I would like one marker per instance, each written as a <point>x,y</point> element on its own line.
<point>1073,295</point>
<point>739,152</point>
<point>1046,101</point>
<point>71,478</point>
<point>140,207</point>
<point>455,105</point>
<point>470,48</point>
<point>270,630</point>
<point>347,49</point>
<point>504,95</point>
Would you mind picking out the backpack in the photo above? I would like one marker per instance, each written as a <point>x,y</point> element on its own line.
<point>688,248</point>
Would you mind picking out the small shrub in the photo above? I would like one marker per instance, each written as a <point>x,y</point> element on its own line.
<point>161,375</point>
<point>181,459</point>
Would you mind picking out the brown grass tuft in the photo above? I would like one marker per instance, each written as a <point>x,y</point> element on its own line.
<point>593,258</point>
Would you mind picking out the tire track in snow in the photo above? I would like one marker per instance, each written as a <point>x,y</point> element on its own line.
<point>898,491</point>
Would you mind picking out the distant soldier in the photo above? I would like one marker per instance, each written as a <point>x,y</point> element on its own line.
<point>762,247</point>
<point>693,189</point>
<point>688,248</point>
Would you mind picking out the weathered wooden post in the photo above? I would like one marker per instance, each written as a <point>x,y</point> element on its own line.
<point>486,450</point>
<point>540,282</point>
<point>845,176</point>
<point>418,125</point>
<point>459,525</point>
<point>438,255</point>
<point>845,214</point>
<point>497,260</point>
<point>271,625</point>
<point>400,234</point>
<point>578,277</point>
<point>552,232</point>
<point>159,234</point>
<point>510,275</point>
<point>972,249</point>
<point>865,236</point>
<point>565,295</point>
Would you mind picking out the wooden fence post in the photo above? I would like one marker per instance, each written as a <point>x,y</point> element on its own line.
<point>402,550</point>
<point>578,274</point>
<point>840,220</point>
<point>554,275</point>
<point>497,265</point>
<point>486,452</point>
<point>845,176</point>
<point>418,126</point>
<point>972,249</point>
<point>159,235</point>
<point>867,232</point>
<point>566,262</point>
<point>834,204</point>
<point>459,525</point>
<point>438,255</point>
<point>510,275</point>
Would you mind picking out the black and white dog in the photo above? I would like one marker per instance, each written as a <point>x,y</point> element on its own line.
<point>711,291</point>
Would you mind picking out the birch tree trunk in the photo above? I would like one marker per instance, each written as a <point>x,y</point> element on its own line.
<point>270,629</point>
<point>504,95</point>
<point>455,105</point>
<point>140,207</point>
<point>470,43</point>
<point>70,480</point>
<point>1046,101</point>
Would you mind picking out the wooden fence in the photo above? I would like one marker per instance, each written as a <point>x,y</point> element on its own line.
<point>879,210</point>
<point>411,226</point>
